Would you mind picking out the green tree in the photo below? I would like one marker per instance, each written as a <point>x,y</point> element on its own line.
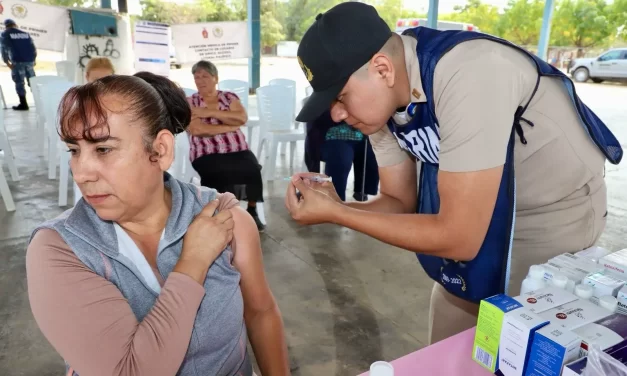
<point>389,10</point>
<point>271,27</point>
<point>581,23</point>
<point>486,17</point>
<point>618,17</point>
<point>522,21</point>
<point>71,3</point>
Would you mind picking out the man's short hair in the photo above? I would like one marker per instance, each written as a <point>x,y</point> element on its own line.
<point>9,22</point>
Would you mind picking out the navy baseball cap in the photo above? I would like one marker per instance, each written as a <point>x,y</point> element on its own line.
<point>338,43</point>
<point>9,22</point>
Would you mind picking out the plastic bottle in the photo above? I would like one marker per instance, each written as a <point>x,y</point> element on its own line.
<point>584,292</point>
<point>560,281</point>
<point>608,302</point>
<point>381,369</point>
<point>534,280</point>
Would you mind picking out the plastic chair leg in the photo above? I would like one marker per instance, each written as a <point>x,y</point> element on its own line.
<point>283,148</point>
<point>64,170</point>
<point>250,135</point>
<point>5,192</point>
<point>272,160</point>
<point>292,154</point>
<point>52,159</point>
<point>4,102</point>
<point>8,155</point>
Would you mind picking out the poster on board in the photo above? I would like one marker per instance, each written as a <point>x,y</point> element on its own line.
<point>152,47</point>
<point>211,41</point>
<point>47,25</point>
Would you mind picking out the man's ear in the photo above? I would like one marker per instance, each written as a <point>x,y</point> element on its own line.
<point>383,67</point>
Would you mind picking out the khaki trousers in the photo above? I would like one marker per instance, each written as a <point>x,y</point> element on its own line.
<point>572,224</point>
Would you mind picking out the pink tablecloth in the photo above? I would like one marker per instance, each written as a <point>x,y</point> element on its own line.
<point>449,357</point>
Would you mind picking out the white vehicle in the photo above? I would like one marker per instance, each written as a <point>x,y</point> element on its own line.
<point>611,65</point>
<point>408,23</point>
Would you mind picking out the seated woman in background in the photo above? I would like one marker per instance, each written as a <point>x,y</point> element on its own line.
<point>218,148</point>
<point>98,67</point>
<point>142,277</point>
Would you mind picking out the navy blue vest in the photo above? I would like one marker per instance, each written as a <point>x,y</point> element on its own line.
<point>20,45</point>
<point>488,273</point>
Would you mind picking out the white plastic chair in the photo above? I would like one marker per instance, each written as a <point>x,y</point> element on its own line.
<point>276,121</point>
<point>5,146</point>
<point>4,102</point>
<point>39,107</point>
<point>5,192</point>
<point>7,153</point>
<point>292,85</point>
<point>189,92</point>
<point>182,168</point>
<point>51,94</point>
<point>241,89</point>
<point>66,69</point>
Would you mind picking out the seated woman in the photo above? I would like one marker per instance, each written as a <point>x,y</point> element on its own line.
<point>141,277</point>
<point>97,68</point>
<point>218,148</point>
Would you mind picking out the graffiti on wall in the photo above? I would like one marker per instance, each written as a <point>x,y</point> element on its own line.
<point>94,47</point>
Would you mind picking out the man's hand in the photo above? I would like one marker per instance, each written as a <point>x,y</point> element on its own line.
<point>318,202</point>
<point>10,65</point>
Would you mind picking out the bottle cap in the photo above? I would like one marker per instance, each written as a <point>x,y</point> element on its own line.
<point>584,291</point>
<point>608,302</point>
<point>560,280</point>
<point>536,272</point>
<point>381,369</point>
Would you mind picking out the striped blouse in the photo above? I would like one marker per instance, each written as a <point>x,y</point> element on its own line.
<point>219,144</point>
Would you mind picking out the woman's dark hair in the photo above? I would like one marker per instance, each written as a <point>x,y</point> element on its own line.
<point>154,100</point>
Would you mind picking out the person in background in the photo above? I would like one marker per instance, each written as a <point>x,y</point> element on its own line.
<point>19,54</point>
<point>122,282</point>
<point>342,148</point>
<point>97,68</point>
<point>218,148</point>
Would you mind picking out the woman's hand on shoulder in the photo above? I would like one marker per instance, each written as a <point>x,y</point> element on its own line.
<point>206,238</point>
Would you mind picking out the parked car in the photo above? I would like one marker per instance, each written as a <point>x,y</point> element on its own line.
<point>611,65</point>
<point>173,62</point>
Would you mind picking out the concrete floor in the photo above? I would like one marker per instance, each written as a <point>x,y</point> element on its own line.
<point>347,300</point>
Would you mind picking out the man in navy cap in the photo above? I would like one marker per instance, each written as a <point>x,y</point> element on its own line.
<point>510,161</point>
<point>19,54</point>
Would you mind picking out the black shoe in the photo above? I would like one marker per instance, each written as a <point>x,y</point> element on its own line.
<point>260,226</point>
<point>360,197</point>
<point>253,213</point>
<point>23,106</point>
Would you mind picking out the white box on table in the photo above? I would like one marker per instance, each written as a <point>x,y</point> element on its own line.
<point>575,314</point>
<point>516,337</point>
<point>593,253</point>
<point>552,347</point>
<point>545,299</point>
<point>603,333</point>
<point>579,264</point>
<point>604,283</point>
<point>616,262</point>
